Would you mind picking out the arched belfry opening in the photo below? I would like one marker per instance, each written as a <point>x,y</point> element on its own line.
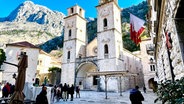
<point>105,22</point>
<point>106,49</point>
<point>68,55</point>
<point>69,33</point>
<point>85,82</point>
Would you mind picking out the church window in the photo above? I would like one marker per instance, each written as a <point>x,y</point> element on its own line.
<point>106,49</point>
<point>152,67</point>
<point>68,56</point>
<point>80,56</point>
<point>71,10</point>
<point>105,23</point>
<point>69,33</point>
<point>106,52</point>
<point>80,11</point>
<point>39,62</point>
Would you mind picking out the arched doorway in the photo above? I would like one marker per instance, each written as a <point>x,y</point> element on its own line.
<point>86,83</point>
<point>152,84</point>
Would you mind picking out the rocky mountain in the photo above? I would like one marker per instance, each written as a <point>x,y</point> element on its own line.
<point>139,10</point>
<point>40,25</point>
<point>31,22</point>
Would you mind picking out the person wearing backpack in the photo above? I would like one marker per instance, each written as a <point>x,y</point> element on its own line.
<point>135,96</point>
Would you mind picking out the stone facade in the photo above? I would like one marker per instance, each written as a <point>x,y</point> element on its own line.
<point>46,61</point>
<point>74,42</point>
<point>12,52</point>
<point>166,22</point>
<point>148,62</point>
<point>104,53</point>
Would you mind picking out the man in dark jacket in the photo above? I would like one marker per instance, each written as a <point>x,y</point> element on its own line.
<point>71,91</point>
<point>42,97</point>
<point>135,96</point>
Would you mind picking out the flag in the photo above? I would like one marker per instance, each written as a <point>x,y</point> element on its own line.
<point>136,28</point>
<point>168,40</point>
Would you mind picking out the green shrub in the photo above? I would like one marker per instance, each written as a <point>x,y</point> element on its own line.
<point>171,92</point>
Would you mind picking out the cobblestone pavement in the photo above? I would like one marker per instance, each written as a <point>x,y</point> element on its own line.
<point>93,97</point>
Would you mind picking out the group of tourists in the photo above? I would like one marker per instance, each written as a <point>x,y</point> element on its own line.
<point>60,91</point>
<point>8,90</point>
<point>65,91</point>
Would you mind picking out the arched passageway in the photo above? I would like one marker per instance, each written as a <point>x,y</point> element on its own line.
<point>152,84</point>
<point>85,82</point>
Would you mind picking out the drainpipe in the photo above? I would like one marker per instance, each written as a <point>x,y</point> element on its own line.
<point>120,86</point>
<point>170,65</point>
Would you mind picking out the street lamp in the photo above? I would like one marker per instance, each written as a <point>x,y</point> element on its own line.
<point>151,60</point>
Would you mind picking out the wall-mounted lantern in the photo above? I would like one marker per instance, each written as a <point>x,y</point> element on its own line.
<point>14,76</point>
<point>151,60</point>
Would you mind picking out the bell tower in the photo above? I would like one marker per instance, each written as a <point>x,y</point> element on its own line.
<point>109,37</point>
<point>74,42</point>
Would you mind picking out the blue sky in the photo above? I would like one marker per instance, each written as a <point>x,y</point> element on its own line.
<point>6,6</point>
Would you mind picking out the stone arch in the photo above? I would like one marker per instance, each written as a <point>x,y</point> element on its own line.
<point>86,83</point>
<point>152,84</point>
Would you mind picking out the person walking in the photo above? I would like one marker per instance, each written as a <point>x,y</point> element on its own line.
<point>144,89</point>
<point>71,91</point>
<point>42,97</point>
<point>6,90</point>
<point>65,88</point>
<point>77,91</point>
<point>58,93</point>
<point>135,96</point>
<point>61,86</point>
<point>68,92</point>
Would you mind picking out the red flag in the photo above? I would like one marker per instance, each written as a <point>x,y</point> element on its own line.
<point>136,28</point>
<point>168,40</point>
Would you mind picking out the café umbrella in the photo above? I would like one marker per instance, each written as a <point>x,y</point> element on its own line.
<point>18,96</point>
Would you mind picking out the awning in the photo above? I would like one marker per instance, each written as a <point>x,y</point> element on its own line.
<point>108,74</point>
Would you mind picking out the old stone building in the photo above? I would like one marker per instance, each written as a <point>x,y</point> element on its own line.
<point>13,51</point>
<point>115,68</point>
<point>146,54</point>
<point>166,21</point>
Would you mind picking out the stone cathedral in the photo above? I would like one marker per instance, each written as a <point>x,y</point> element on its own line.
<point>104,53</point>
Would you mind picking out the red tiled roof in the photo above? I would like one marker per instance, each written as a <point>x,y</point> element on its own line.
<point>22,44</point>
